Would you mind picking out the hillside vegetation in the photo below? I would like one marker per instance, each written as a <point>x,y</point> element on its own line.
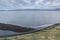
<point>48,34</point>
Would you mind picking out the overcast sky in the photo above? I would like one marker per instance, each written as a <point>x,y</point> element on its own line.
<point>30,4</point>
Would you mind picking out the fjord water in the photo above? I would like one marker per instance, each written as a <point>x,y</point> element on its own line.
<point>28,19</point>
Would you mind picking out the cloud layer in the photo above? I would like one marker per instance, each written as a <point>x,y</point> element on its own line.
<point>30,4</point>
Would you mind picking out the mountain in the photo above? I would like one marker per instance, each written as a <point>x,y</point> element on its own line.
<point>15,28</point>
<point>42,27</point>
<point>56,9</point>
<point>9,27</point>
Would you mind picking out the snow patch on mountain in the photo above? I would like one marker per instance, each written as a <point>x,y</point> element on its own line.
<point>43,26</point>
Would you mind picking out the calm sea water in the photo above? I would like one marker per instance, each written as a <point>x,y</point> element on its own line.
<point>28,19</point>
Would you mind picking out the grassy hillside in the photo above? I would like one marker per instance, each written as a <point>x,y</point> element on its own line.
<point>49,34</point>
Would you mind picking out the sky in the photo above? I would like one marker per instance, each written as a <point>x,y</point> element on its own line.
<point>28,4</point>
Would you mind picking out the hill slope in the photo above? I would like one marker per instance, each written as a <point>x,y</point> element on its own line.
<point>14,28</point>
<point>49,34</point>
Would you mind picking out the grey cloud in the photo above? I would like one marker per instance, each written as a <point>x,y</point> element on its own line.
<point>24,4</point>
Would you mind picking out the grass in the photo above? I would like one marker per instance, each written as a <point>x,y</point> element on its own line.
<point>48,34</point>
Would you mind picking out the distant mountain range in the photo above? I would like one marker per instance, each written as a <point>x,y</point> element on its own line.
<point>57,9</point>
